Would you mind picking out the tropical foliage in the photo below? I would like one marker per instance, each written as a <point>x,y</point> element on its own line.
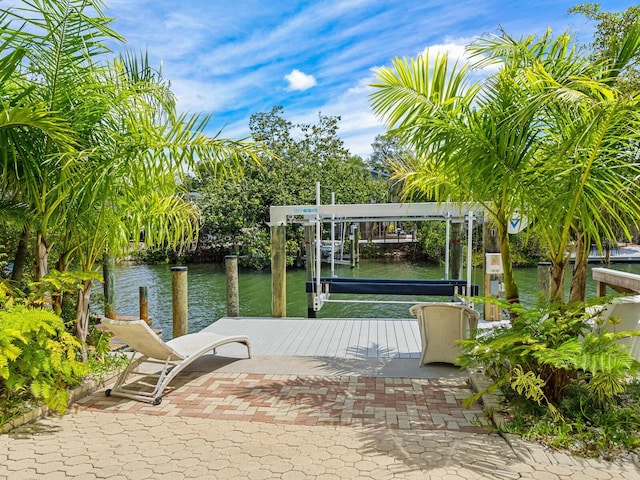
<point>550,133</point>
<point>38,359</point>
<point>235,212</point>
<point>557,368</point>
<point>92,145</point>
<point>549,136</point>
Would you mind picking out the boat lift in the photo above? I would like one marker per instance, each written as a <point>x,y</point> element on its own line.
<point>313,216</point>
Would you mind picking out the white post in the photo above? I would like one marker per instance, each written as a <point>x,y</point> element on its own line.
<point>333,237</point>
<point>447,248</point>
<point>469,251</point>
<point>318,243</point>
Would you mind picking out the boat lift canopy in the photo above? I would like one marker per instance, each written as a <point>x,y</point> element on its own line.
<point>374,212</point>
<point>281,216</point>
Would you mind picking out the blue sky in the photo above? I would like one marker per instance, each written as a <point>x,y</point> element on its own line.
<point>236,58</point>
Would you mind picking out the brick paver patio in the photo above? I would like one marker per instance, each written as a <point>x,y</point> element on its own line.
<point>408,404</point>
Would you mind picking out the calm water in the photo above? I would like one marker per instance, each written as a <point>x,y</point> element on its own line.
<point>207,291</point>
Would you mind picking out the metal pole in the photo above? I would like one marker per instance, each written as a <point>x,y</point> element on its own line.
<point>318,242</point>
<point>231,269</point>
<point>469,251</point>
<point>333,237</point>
<point>352,245</point>
<point>447,247</point>
<point>180,301</point>
<point>308,265</point>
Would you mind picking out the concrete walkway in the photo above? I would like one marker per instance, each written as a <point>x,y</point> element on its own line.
<point>237,424</point>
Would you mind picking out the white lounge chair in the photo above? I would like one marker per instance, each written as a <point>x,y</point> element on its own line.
<point>441,324</point>
<point>626,312</point>
<point>175,355</point>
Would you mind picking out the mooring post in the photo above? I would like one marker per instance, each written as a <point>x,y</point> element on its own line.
<point>233,302</point>
<point>144,304</point>
<point>180,301</point>
<point>544,278</point>
<point>109,289</point>
<point>278,271</point>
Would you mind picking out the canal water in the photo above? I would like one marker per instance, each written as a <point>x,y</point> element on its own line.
<point>207,291</point>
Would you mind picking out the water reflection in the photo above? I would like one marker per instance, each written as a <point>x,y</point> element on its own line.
<point>207,291</point>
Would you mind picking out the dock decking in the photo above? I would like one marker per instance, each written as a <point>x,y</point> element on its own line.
<point>326,337</point>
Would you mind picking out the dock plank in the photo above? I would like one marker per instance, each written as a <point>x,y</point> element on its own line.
<point>320,331</point>
<point>294,332</point>
<point>403,343</point>
<point>342,343</point>
<point>335,337</point>
<point>324,337</point>
<point>414,344</point>
<point>392,338</point>
<point>336,340</point>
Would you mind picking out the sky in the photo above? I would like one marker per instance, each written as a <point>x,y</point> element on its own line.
<point>234,58</point>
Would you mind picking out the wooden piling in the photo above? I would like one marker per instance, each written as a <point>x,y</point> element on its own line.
<point>180,301</point>
<point>278,272</point>
<point>109,289</point>
<point>231,269</point>
<point>144,305</point>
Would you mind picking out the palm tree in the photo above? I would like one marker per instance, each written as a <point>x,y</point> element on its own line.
<point>539,137</point>
<point>125,176</point>
<point>469,148</point>
<point>592,127</point>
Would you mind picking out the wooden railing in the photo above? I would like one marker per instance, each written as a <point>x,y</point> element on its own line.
<point>619,281</point>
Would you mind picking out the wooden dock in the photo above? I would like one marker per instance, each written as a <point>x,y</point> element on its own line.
<point>362,338</point>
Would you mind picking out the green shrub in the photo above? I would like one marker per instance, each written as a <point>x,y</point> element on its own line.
<point>38,358</point>
<point>565,382</point>
<point>370,250</point>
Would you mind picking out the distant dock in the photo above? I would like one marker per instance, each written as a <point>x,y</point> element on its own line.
<point>629,253</point>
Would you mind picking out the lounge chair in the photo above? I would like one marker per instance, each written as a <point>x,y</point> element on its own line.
<point>175,355</point>
<point>441,325</point>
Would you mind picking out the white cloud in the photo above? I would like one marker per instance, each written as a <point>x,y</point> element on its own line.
<point>455,49</point>
<point>358,125</point>
<point>300,81</point>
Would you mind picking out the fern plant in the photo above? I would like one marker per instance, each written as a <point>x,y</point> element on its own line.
<point>38,357</point>
<point>546,350</point>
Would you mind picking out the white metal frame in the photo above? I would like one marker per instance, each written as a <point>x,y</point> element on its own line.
<point>374,212</point>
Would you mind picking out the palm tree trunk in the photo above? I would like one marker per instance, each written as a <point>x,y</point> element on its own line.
<point>58,298</point>
<point>20,258</point>
<point>42,267</point>
<point>556,290</point>
<point>82,317</point>
<point>42,256</point>
<point>579,279</point>
<point>510,287</point>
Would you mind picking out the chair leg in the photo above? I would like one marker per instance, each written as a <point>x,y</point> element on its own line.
<point>126,372</point>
